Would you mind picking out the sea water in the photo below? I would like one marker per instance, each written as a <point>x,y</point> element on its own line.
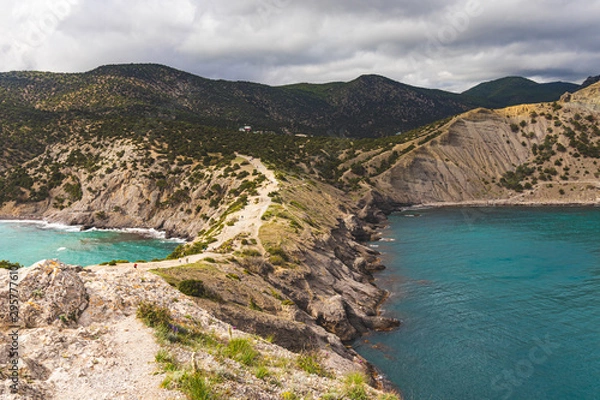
<point>500,303</point>
<point>31,241</point>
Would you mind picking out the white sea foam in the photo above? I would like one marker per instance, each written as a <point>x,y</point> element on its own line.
<point>150,233</point>
<point>57,226</point>
<point>61,249</point>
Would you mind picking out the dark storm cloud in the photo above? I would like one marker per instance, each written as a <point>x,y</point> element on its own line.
<point>445,44</point>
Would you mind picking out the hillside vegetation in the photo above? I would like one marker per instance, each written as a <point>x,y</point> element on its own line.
<point>515,90</point>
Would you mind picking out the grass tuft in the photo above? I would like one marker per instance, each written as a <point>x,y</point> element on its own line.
<point>309,362</point>
<point>354,387</point>
<point>242,351</point>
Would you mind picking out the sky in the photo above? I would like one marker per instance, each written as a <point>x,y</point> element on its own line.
<point>450,45</point>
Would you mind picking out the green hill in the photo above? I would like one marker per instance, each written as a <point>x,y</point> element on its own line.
<point>514,90</point>
<point>370,106</point>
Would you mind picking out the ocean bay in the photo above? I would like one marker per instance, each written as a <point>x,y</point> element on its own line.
<point>498,303</point>
<point>27,242</point>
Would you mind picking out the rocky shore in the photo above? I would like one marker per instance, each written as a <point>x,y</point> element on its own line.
<point>318,299</point>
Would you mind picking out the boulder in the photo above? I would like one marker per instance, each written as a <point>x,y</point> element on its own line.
<point>50,292</point>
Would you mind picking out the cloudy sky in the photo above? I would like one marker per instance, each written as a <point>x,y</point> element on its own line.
<point>448,44</point>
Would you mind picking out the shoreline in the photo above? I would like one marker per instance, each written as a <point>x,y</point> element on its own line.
<point>496,203</point>
<point>375,374</point>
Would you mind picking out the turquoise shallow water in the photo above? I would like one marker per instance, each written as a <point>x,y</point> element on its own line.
<point>495,303</point>
<point>29,242</point>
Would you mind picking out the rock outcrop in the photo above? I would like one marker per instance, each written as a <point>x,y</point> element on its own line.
<point>51,293</point>
<point>105,352</point>
<point>466,162</point>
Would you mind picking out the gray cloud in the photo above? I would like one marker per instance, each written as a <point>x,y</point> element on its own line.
<point>434,43</point>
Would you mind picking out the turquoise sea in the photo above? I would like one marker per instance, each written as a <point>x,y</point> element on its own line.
<point>29,242</point>
<point>500,303</point>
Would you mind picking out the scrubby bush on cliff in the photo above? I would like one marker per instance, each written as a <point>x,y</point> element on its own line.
<point>192,287</point>
<point>153,315</point>
<point>9,265</point>
<point>354,388</point>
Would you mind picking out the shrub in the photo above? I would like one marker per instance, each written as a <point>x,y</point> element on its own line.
<point>115,262</point>
<point>276,260</point>
<point>251,252</point>
<point>192,287</point>
<point>196,387</point>
<point>253,306</point>
<point>261,372</point>
<point>278,251</point>
<point>153,315</point>
<point>9,265</point>
<point>354,387</point>
<point>388,396</point>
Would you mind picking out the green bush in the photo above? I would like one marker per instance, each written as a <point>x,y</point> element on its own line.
<point>9,265</point>
<point>354,387</point>
<point>153,315</point>
<point>192,287</point>
<point>115,262</point>
<point>276,260</point>
<point>196,387</point>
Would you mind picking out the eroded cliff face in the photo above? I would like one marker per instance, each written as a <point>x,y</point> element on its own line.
<point>467,161</point>
<point>125,185</point>
<point>304,244</point>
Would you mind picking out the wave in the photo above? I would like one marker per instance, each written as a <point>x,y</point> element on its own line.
<point>57,226</point>
<point>149,233</point>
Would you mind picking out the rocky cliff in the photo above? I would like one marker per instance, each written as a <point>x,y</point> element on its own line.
<point>122,333</point>
<point>536,153</point>
<point>277,258</point>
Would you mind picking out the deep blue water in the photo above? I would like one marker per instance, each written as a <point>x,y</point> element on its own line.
<point>29,242</point>
<point>497,303</point>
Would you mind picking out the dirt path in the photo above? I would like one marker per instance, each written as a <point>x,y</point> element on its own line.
<point>131,375</point>
<point>248,220</point>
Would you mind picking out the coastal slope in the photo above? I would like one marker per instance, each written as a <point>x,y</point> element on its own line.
<point>545,153</point>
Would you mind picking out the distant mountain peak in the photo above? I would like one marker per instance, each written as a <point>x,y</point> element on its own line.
<point>590,81</point>
<point>513,90</point>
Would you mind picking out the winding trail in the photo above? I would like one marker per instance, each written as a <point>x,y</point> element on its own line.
<point>248,221</point>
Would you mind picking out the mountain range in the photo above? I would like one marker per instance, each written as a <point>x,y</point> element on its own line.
<point>369,106</point>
